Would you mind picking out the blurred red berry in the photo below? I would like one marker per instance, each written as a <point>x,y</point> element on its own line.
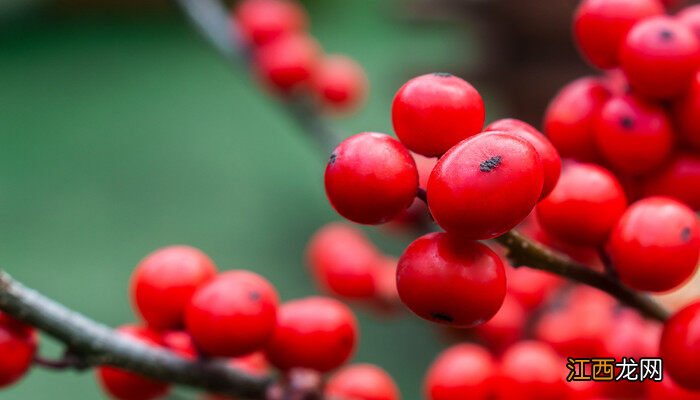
<point>464,371</point>
<point>668,389</point>
<point>680,347</point>
<point>690,17</point>
<point>289,63</point>
<point>531,287</point>
<point>340,83</point>
<point>262,21</point>
<point>18,344</point>
<point>362,382</point>
<point>686,115</point>
<point>506,326</point>
<point>181,343</point>
<point>680,179</point>
<point>532,371</point>
<point>253,363</point>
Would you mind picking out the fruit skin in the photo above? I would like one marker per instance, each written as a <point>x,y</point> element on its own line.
<point>685,112</point>
<point>680,347</point>
<point>464,371</point>
<point>371,178</point>
<point>584,206</point>
<point>262,21</point>
<point>655,245</point>
<point>362,382</point>
<point>232,315</point>
<point>668,389</point>
<point>690,17</point>
<point>571,116</point>
<point>506,326</point>
<point>433,112</point>
<point>660,57</point>
<point>451,281</point>
<point>532,371</point>
<point>18,344</point>
<point>316,333</point>
<point>679,179</point>
<point>600,27</point>
<point>485,185</point>
<point>551,162</point>
<point>163,284</point>
<point>288,64</point>
<point>634,136</point>
<point>340,83</point>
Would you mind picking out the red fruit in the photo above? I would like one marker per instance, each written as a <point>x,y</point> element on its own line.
<point>124,385</point>
<point>485,186</point>
<point>584,206</point>
<point>371,178</point>
<point>685,112</point>
<point>680,179</point>
<point>680,347</point>
<point>532,371</point>
<point>690,17</point>
<point>505,328</point>
<point>551,162</point>
<point>451,281</point>
<point>232,315</point>
<point>531,287</point>
<point>18,343</point>
<point>600,27</point>
<point>634,136</point>
<point>431,113</point>
<point>253,363</point>
<point>660,57</point>
<point>164,282</point>
<point>362,382</point>
<point>181,343</point>
<point>464,371</point>
<point>570,118</point>
<point>289,63</point>
<point>668,389</point>
<point>315,333</point>
<point>655,246</point>
<point>340,83</point>
<point>262,21</point>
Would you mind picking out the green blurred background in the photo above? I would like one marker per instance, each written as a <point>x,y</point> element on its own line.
<point>123,132</point>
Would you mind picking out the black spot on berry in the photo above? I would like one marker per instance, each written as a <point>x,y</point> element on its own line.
<point>442,317</point>
<point>443,74</point>
<point>490,164</point>
<point>665,35</point>
<point>627,122</point>
<point>254,296</point>
<point>331,159</point>
<point>685,234</point>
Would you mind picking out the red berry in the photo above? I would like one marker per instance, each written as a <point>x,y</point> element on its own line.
<point>680,179</point>
<point>362,382</point>
<point>340,83</point>
<point>505,328</point>
<point>18,343</point>
<point>584,206</point>
<point>253,363</point>
<point>124,385</point>
<point>551,162</point>
<point>634,136</point>
<point>181,343</point>
<point>668,389</point>
<point>532,371</point>
<point>686,115</point>
<point>232,315</point>
<point>531,287</point>
<point>164,282</point>
<point>289,63</point>
<point>315,333</point>
<point>431,113</point>
<point>690,17</point>
<point>660,57</point>
<point>600,27</point>
<point>571,116</point>
<point>680,347</point>
<point>656,244</point>
<point>464,371</point>
<point>371,178</point>
<point>262,21</point>
<point>451,281</point>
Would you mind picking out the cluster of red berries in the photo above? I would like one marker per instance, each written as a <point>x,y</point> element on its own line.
<point>289,61</point>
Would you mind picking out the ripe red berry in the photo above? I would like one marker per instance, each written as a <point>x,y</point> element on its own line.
<point>532,371</point>
<point>690,17</point>
<point>124,385</point>
<point>18,343</point>
<point>253,363</point>
<point>685,112</point>
<point>660,57</point>
<point>340,83</point>
<point>464,371</point>
<point>451,281</point>
<point>668,389</point>
<point>371,178</point>
<point>505,328</point>
<point>584,206</point>
<point>180,342</point>
<point>634,136</point>
<point>431,113</point>
<point>232,315</point>
<point>680,347</point>
<point>571,116</point>
<point>362,382</point>
<point>164,282</point>
<point>289,63</point>
<point>656,244</point>
<point>600,26</point>
<point>262,21</point>
<point>316,333</point>
<point>485,186</point>
<point>531,287</point>
<point>679,179</point>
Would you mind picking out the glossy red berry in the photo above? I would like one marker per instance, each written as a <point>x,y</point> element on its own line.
<point>551,162</point>
<point>464,371</point>
<point>232,315</point>
<point>340,83</point>
<point>289,63</point>
<point>660,57</point>
<point>634,136</point>
<point>164,282</point>
<point>18,343</point>
<point>655,246</point>
<point>584,206</point>
<point>686,115</point>
<point>315,333</point>
<point>431,113</point>
<point>571,116</point>
<point>505,328</point>
<point>371,178</point>
<point>485,186</point>
<point>362,382</point>
<point>680,179</point>
<point>600,26</point>
<point>451,281</point>
<point>262,21</point>
<point>532,371</point>
<point>680,347</point>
